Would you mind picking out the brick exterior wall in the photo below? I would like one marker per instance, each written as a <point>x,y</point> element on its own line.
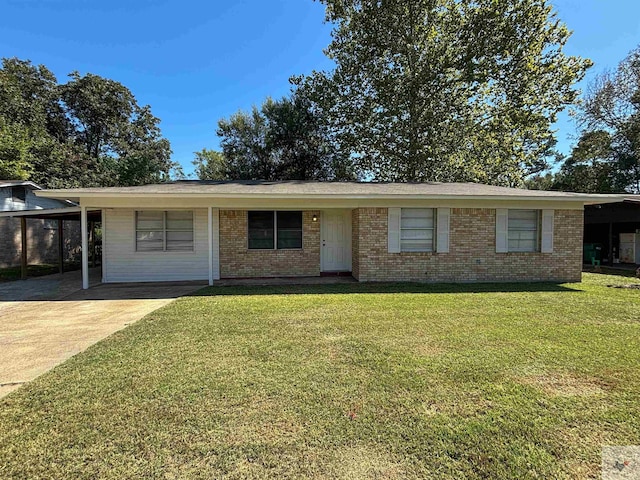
<point>42,241</point>
<point>237,261</point>
<point>472,253</point>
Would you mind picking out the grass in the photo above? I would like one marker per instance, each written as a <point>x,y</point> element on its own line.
<point>10,274</point>
<point>344,381</point>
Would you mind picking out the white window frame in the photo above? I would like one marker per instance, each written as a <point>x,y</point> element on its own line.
<point>165,230</point>
<point>433,230</point>
<point>537,245</point>
<point>275,230</point>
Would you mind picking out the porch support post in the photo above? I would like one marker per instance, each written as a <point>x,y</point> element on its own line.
<point>85,247</point>
<point>210,233</point>
<point>60,245</point>
<point>23,252</point>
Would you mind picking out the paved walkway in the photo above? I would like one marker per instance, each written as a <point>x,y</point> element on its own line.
<point>36,335</point>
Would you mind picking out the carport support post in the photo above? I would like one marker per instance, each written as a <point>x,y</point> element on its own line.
<point>23,252</point>
<point>210,230</point>
<point>85,247</point>
<point>61,245</point>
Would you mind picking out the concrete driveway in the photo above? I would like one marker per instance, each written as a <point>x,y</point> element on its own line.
<point>36,335</point>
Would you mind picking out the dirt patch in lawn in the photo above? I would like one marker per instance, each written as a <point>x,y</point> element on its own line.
<point>429,350</point>
<point>365,462</point>
<point>634,286</point>
<point>565,385</point>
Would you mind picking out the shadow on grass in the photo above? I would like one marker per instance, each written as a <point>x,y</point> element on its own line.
<point>618,271</point>
<point>349,288</point>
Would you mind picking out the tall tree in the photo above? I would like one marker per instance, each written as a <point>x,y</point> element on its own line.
<point>243,142</point>
<point>448,90</point>
<point>114,130</point>
<point>283,140</point>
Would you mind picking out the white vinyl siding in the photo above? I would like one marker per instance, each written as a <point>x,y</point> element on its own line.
<point>524,231</point>
<point>168,230</point>
<point>122,263</point>
<point>417,229</point>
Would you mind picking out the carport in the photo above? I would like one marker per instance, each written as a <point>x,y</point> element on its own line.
<point>603,225</point>
<point>88,219</point>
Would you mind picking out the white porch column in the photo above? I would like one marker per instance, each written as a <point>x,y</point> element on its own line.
<point>85,247</point>
<point>210,230</point>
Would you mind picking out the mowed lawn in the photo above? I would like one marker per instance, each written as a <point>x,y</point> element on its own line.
<point>344,381</point>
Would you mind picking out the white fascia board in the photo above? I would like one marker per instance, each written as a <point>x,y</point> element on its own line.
<point>39,212</point>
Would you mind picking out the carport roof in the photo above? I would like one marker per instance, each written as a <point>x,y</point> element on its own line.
<point>69,213</point>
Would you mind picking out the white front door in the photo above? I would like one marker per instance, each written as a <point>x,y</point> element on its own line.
<point>335,233</point>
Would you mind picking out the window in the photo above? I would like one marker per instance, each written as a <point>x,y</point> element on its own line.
<point>269,230</point>
<point>18,194</point>
<point>170,231</point>
<point>261,230</point>
<point>417,229</point>
<point>523,226</point>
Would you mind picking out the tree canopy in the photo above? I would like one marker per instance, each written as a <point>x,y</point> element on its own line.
<point>88,131</point>
<point>284,139</point>
<point>447,90</point>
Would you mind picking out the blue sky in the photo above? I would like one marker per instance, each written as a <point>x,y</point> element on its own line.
<point>195,62</point>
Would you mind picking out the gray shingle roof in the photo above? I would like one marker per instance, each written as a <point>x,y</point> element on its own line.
<point>330,189</point>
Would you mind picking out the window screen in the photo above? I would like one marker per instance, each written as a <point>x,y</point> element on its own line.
<point>261,230</point>
<point>523,231</point>
<point>158,230</point>
<point>417,229</point>
<point>289,229</point>
<point>286,234</point>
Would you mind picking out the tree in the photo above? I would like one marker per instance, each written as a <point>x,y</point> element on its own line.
<point>243,142</point>
<point>210,165</point>
<point>87,132</point>
<point>448,90</point>
<point>606,158</point>
<point>112,128</point>
<point>283,140</point>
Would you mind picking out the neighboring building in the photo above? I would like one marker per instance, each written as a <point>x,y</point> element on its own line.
<point>426,232</point>
<point>42,234</point>
<point>614,229</point>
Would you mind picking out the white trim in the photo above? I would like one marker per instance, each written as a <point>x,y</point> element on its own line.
<point>85,247</point>
<point>216,243</point>
<point>39,212</point>
<point>210,242</point>
<point>103,260</point>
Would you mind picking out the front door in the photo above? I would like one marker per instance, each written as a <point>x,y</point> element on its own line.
<point>335,232</point>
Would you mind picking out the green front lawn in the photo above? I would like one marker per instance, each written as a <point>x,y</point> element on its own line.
<point>344,381</point>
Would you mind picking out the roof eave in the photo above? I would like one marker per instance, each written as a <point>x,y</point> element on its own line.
<point>587,199</point>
